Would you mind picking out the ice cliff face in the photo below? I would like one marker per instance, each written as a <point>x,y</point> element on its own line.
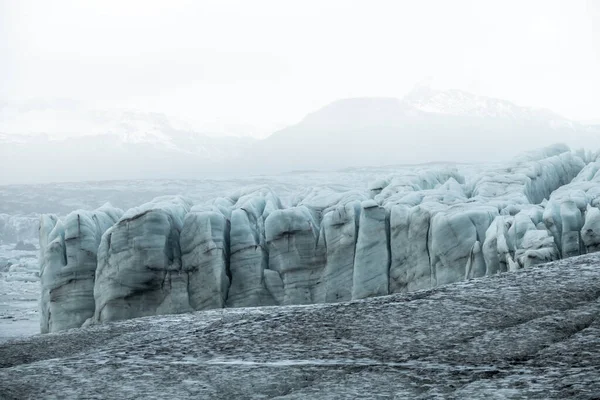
<point>68,264</point>
<point>140,269</point>
<point>407,232</point>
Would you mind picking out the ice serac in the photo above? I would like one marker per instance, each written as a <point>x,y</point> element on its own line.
<point>516,190</point>
<point>68,261</point>
<point>340,233</point>
<point>590,233</point>
<point>411,200</point>
<point>566,211</point>
<point>140,269</point>
<point>204,257</point>
<point>399,253</point>
<point>292,237</point>
<point>52,259</point>
<point>451,231</point>
<point>528,180</point>
<point>336,215</point>
<point>537,247</point>
<point>456,237</point>
<point>405,188</point>
<point>252,284</point>
<point>372,259</point>
<point>572,222</point>
<point>410,267</point>
<point>495,247</point>
<point>518,241</point>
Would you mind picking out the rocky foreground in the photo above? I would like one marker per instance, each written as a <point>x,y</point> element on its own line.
<point>534,333</point>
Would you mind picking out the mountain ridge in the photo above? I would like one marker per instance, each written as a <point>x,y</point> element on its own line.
<point>426,125</point>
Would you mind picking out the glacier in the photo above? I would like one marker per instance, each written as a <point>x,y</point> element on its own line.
<point>405,232</point>
<point>68,261</point>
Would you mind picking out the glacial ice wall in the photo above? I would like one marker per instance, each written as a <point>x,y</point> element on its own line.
<point>405,232</point>
<point>68,263</point>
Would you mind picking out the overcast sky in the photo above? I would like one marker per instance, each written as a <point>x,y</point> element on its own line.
<point>267,63</point>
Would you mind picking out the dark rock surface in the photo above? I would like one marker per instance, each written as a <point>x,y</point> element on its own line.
<point>530,334</point>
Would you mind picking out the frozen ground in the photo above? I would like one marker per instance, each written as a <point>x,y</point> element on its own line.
<point>19,293</point>
<point>530,334</point>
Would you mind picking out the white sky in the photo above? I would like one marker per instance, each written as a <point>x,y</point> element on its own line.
<point>267,63</point>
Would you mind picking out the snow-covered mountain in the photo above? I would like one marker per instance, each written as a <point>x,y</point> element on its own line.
<point>104,145</point>
<point>62,120</point>
<point>458,102</point>
<point>425,125</point>
<point>73,143</point>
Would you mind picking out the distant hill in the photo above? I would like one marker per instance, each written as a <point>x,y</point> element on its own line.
<point>117,145</point>
<point>426,125</point>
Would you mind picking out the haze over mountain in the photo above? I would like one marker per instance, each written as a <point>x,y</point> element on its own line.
<point>108,145</point>
<point>426,125</point>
